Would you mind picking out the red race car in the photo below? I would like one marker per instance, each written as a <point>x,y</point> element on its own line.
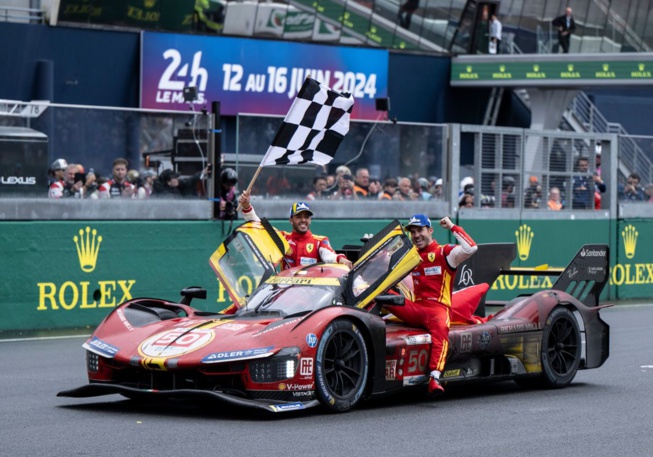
<point>319,335</point>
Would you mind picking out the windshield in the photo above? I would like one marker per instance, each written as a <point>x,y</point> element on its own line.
<point>241,266</point>
<point>291,298</point>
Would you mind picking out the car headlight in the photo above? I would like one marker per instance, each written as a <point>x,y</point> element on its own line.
<point>281,366</point>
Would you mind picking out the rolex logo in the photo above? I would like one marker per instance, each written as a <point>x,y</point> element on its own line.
<point>606,67</point>
<point>502,68</point>
<point>570,67</point>
<point>524,239</point>
<point>88,247</point>
<point>536,68</point>
<point>641,67</point>
<point>629,236</point>
<point>150,3</point>
<point>468,68</point>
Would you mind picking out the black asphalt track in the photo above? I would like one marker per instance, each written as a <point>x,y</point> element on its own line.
<point>604,412</point>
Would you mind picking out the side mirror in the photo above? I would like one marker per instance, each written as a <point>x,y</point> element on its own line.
<point>192,292</point>
<point>390,300</point>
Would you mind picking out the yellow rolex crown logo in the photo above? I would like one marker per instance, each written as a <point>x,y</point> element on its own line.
<point>536,67</point>
<point>629,235</point>
<point>641,67</point>
<point>469,68</point>
<point>150,3</point>
<point>524,239</point>
<point>606,67</point>
<point>502,68</point>
<point>570,67</point>
<point>88,247</point>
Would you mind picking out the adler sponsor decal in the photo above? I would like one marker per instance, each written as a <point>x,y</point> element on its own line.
<point>238,355</point>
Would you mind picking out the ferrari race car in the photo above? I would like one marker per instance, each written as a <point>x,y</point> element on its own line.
<point>320,335</point>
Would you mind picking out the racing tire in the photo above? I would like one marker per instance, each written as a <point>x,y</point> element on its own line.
<point>342,365</point>
<point>561,351</point>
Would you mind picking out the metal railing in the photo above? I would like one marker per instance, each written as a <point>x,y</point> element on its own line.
<point>16,14</point>
<point>631,156</point>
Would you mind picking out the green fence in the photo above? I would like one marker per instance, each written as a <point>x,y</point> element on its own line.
<point>58,275</point>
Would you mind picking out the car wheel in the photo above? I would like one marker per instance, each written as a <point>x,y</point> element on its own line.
<point>561,351</point>
<point>341,366</point>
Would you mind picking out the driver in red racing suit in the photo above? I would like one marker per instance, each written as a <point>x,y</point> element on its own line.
<point>305,247</point>
<point>433,285</point>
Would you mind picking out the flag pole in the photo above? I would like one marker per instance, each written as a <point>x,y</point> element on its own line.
<point>251,184</point>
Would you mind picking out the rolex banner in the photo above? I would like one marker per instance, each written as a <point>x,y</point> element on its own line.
<point>71,274</point>
<point>170,15</point>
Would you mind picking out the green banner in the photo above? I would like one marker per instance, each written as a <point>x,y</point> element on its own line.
<point>172,15</point>
<point>58,275</point>
<point>539,242</point>
<point>539,73</point>
<point>632,273</point>
<point>69,275</point>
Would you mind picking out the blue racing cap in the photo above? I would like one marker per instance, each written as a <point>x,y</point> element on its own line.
<point>299,207</point>
<point>419,220</point>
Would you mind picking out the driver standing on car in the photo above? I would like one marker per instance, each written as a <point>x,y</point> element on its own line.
<point>305,247</point>
<point>433,285</point>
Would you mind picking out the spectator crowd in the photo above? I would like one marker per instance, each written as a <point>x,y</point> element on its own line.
<point>583,191</point>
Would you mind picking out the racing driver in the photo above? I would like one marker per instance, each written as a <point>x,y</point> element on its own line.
<point>433,284</point>
<point>305,247</point>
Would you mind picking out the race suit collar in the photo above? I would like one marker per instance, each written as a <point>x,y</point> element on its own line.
<point>301,236</point>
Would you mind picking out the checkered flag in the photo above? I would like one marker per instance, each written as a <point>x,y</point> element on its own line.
<point>313,129</point>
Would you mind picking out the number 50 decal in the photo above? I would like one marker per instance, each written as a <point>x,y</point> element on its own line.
<point>417,361</point>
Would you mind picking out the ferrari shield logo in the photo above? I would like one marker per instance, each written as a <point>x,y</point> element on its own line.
<point>431,256</point>
<point>309,247</point>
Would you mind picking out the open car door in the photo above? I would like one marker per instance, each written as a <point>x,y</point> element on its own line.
<point>384,261</point>
<point>246,258</point>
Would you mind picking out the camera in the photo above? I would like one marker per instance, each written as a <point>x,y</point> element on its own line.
<point>487,201</point>
<point>229,211</point>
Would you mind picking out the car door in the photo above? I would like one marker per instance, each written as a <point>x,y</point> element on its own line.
<point>384,261</point>
<point>246,258</point>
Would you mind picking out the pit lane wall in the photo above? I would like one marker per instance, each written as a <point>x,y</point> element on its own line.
<point>70,274</point>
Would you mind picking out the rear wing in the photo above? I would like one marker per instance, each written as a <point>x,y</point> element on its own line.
<point>587,274</point>
<point>584,278</point>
